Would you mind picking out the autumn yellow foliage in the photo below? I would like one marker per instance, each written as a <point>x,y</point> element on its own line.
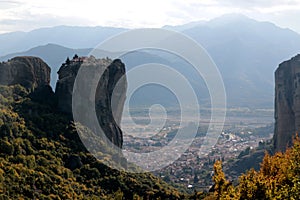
<point>278,178</point>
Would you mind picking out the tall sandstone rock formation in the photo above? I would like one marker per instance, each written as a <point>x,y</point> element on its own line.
<point>108,119</point>
<point>30,72</point>
<point>287,103</point>
<point>34,74</point>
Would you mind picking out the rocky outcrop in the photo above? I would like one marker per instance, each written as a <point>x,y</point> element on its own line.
<point>30,72</point>
<point>112,72</point>
<point>287,103</point>
<point>34,74</point>
<point>64,86</point>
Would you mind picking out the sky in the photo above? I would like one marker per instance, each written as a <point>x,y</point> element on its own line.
<point>26,15</point>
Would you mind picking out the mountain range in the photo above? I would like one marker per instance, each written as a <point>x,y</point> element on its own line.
<point>246,52</point>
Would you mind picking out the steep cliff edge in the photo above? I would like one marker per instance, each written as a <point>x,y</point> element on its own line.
<point>34,74</point>
<point>287,103</point>
<point>112,72</point>
<point>29,72</point>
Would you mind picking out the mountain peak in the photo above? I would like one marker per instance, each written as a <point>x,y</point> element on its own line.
<point>230,18</point>
<point>233,16</point>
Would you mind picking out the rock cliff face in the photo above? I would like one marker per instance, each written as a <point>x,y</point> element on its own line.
<point>112,72</point>
<point>287,103</point>
<point>34,74</point>
<point>30,72</point>
<point>108,97</point>
<point>64,86</point>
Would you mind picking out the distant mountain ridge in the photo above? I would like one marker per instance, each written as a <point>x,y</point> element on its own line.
<point>246,52</point>
<point>68,36</point>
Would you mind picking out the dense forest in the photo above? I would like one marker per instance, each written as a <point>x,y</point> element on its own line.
<point>42,157</point>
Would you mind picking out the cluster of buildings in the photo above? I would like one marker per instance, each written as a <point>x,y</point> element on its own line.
<point>193,169</point>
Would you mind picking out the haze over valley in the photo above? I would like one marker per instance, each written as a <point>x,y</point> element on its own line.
<point>246,56</point>
<point>149,100</point>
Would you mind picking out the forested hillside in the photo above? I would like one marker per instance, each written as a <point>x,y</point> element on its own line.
<point>42,157</point>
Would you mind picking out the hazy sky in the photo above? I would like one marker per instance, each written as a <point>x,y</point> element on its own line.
<point>25,15</point>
